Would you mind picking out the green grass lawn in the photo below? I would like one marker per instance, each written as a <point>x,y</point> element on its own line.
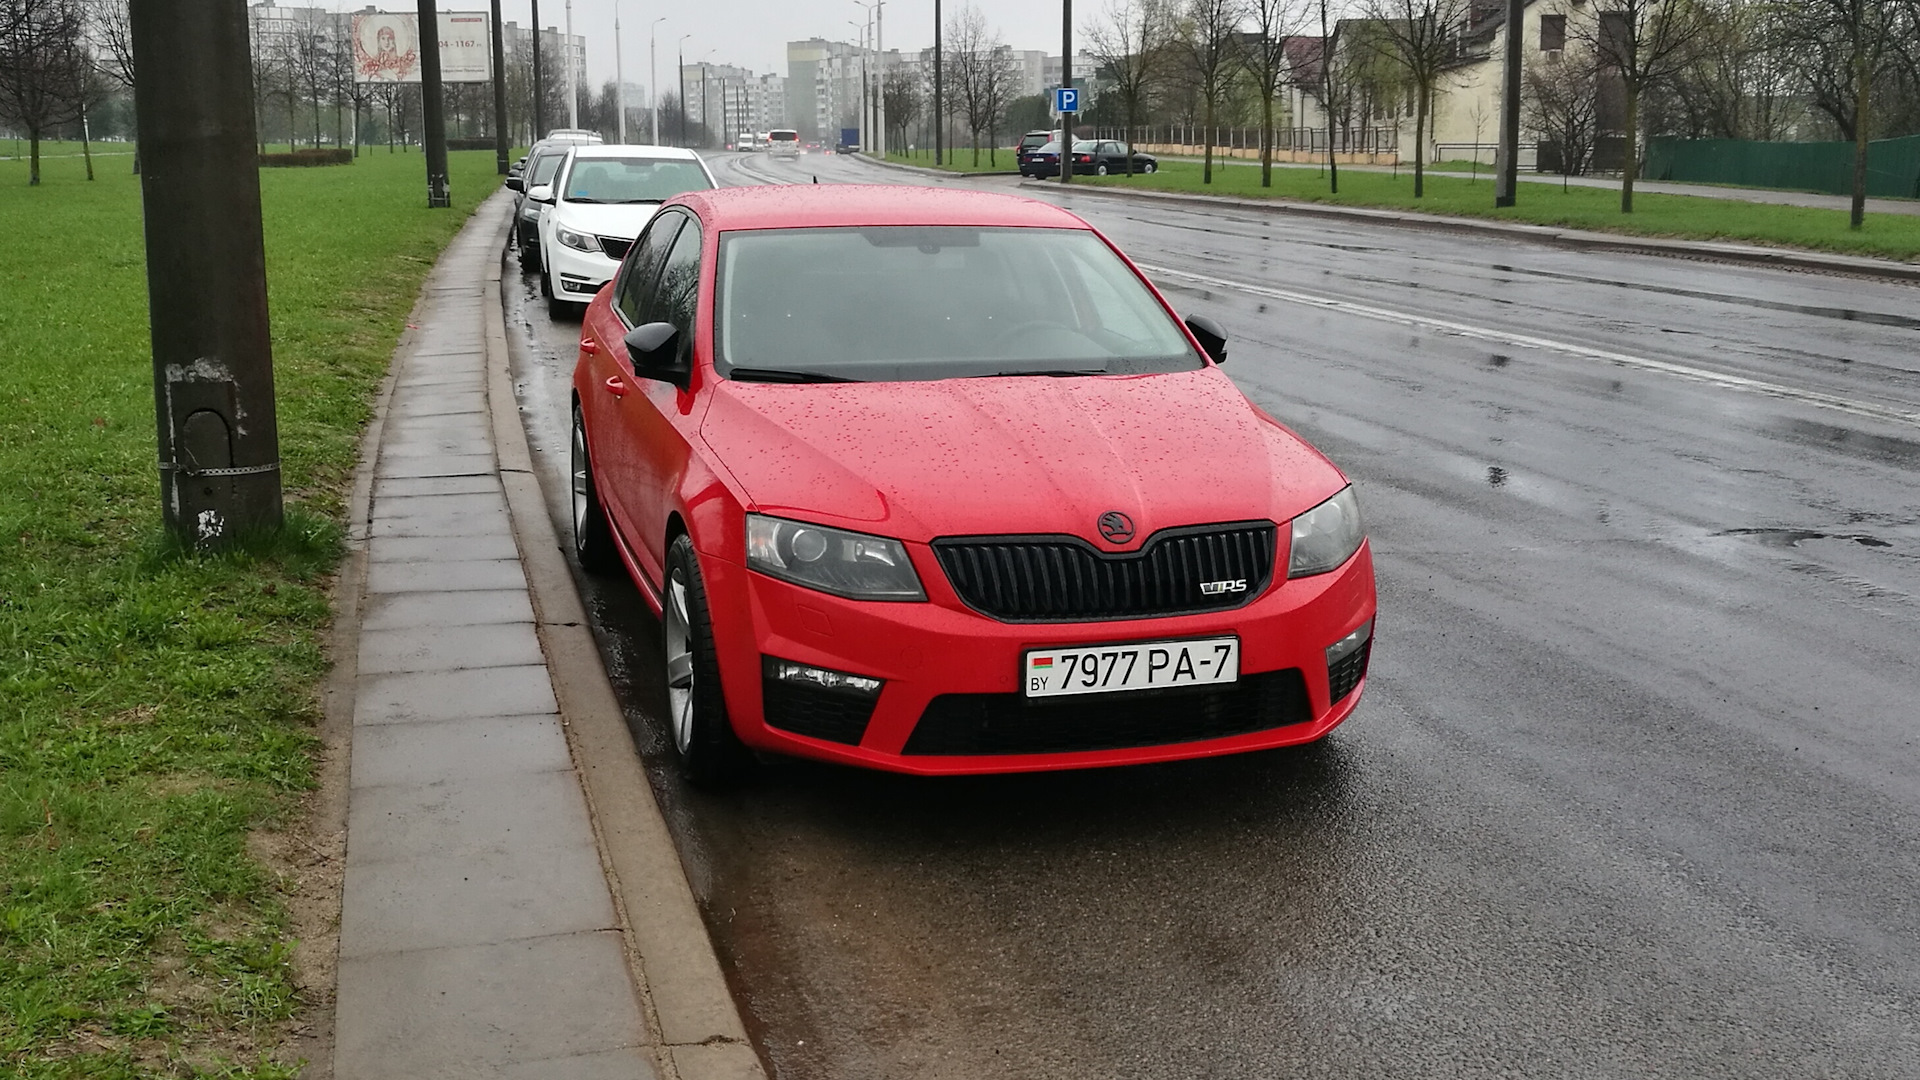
<point>1893,236</point>
<point>157,709</point>
<point>960,159</point>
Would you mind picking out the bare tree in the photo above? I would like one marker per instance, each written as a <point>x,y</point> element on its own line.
<point>111,38</point>
<point>1561,95</point>
<point>43,69</point>
<point>1740,85</point>
<point>1129,41</point>
<point>1864,34</point>
<point>996,92</point>
<point>1642,45</point>
<point>969,58</point>
<point>1208,42</point>
<point>1423,38</point>
<point>900,97</point>
<point>1269,64</point>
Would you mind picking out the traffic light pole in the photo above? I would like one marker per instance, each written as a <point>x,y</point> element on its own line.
<point>1507,171</point>
<point>206,270</point>
<point>432,116</point>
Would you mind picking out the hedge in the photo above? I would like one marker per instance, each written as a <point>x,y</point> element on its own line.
<point>307,157</point>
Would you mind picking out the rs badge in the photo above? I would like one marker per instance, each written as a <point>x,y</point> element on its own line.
<point>1216,588</point>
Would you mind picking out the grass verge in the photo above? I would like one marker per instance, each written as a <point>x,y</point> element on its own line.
<point>156,708</point>
<point>960,160</point>
<point>1892,236</point>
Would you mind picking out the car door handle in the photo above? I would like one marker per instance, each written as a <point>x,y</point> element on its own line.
<point>616,386</point>
<point>589,346</point>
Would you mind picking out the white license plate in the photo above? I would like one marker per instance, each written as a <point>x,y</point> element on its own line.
<point>1139,665</point>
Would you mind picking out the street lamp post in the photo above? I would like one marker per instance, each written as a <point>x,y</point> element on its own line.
<point>501,139</point>
<point>539,99</point>
<point>573,80</point>
<point>653,75</point>
<point>680,56</point>
<point>433,121</point>
<point>619,75</point>
<point>939,109</point>
<point>880,77</point>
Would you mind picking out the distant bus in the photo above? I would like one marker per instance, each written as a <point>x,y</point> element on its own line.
<point>783,142</point>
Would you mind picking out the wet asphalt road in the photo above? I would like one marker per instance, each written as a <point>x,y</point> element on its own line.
<point>1635,788</point>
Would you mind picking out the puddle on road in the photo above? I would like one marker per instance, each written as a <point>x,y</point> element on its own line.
<point>1793,538</point>
<point>1851,441</point>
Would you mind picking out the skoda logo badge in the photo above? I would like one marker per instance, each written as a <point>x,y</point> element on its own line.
<point>1116,527</point>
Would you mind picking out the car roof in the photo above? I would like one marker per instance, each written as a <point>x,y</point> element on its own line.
<point>592,150</point>
<point>814,206</point>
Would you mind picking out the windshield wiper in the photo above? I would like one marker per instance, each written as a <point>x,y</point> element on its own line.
<point>782,375</point>
<point>583,199</point>
<point>631,202</point>
<point>1055,373</point>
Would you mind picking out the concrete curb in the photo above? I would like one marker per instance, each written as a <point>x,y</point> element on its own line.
<point>1574,239</point>
<point>928,171</point>
<point>702,1036</point>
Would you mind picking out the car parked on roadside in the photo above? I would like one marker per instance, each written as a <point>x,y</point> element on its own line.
<point>602,196</point>
<point>1091,157</point>
<point>535,185</point>
<point>935,481</point>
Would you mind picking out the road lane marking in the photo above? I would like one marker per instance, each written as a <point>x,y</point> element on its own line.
<point>1721,379</point>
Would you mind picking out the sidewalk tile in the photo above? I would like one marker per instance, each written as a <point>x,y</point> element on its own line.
<point>472,899</point>
<point>458,1013</point>
<point>386,755</point>
<point>418,548</point>
<point>452,695</point>
<point>449,648</point>
<point>442,465</point>
<point>400,486</point>
<point>499,815</point>
<point>429,444</point>
<point>473,607</point>
<point>445,576</point>
<point>627,1063</point>
<point>393,507</point>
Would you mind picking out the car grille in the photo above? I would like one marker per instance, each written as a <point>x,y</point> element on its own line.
<point>1065,579</point>
<point>1346,674</point>
<point>615,247</point>
<point>814,712</point>
<point>986,724</point>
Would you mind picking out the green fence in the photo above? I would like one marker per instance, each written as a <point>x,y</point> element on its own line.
<point>1893,165</point>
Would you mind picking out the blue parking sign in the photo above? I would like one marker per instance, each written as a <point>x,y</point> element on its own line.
<point>1066,99</point>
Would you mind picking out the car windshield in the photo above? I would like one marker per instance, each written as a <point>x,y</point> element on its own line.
<point>913,303</point>
<point>632,179</point>
<point>1047,148</point>
<point>1085,146</point>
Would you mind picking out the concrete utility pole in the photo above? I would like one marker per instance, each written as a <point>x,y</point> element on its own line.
<point>206,270</point>
<point>680,57</point>
<point>573,79</point>
<point>539,98</point>
<point>433,120</point>
<point>1507,163</point>
<point>501,140</point>
<point>653,75</point>
<point>939,113</point>
<point>880,77</point>
<point>1066,80</point>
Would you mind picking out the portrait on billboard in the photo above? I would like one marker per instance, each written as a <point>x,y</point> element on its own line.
<point>386,47</point>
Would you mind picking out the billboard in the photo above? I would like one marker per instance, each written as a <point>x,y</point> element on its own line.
<point>386,47</point>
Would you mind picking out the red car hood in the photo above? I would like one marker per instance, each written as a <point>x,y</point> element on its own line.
<point>1034,454</point>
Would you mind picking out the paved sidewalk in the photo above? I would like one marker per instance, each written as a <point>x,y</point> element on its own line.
<point>478,933</point>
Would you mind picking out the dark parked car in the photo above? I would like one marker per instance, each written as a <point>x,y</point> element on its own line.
<point>542,161</point>
<point>1103,156</point>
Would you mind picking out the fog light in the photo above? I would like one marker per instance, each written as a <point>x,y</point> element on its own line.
<point>787,671</point>
<point>1346,646</point>
<point>570,283</point>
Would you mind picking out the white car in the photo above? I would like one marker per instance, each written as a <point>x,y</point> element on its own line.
<point>602,197</point>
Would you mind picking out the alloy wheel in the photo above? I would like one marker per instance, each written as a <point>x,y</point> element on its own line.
<point>582,504</point>
<point>679,640</point>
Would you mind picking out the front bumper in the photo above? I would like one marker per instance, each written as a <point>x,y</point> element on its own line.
<point>958,673</point>
<point>578,275</point>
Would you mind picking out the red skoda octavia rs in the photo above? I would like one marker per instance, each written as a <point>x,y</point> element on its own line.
<point>936,482</point>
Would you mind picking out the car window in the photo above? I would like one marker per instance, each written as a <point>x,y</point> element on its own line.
<point>679,290</point>
<point>631,179</point>
<point>899,303</point>
<point>642,267</point>
<point>544,167</point>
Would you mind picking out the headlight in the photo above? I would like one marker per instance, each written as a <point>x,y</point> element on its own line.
<point>576,241</point>
<point>848,564</point>
<point>1326,536</point>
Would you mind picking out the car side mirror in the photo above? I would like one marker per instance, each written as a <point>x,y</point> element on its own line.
<point>654,350</point>
<point>540,193</point>
<point>514,183</point>
<point>1211,337</point>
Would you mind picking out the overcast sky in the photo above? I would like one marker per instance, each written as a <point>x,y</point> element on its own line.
<point>754,33</point>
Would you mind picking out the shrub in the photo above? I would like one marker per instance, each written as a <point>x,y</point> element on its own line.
<point>336,156</point>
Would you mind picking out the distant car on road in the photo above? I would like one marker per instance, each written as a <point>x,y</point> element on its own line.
<point>602,197</point>
<point>935,481</point>
<point>783,142</point>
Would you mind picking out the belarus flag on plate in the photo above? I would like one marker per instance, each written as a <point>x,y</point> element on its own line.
<point>1041,662</point>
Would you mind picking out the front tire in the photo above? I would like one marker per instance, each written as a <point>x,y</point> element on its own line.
<point>1100,170</point>
<point>529,256</point>
<point>1148,167</point>
<point>592,536</point>
<point>710,754</point>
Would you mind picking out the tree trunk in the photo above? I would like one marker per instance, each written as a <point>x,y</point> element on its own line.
<point>1266,141</point>
<point>1130,106</point>
<point>33,157</point>
<point>1419,142</point>
<point>1206,170</point>
<point>1629,149</point>
<point>1863,90</point>
<point>86,143</point>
